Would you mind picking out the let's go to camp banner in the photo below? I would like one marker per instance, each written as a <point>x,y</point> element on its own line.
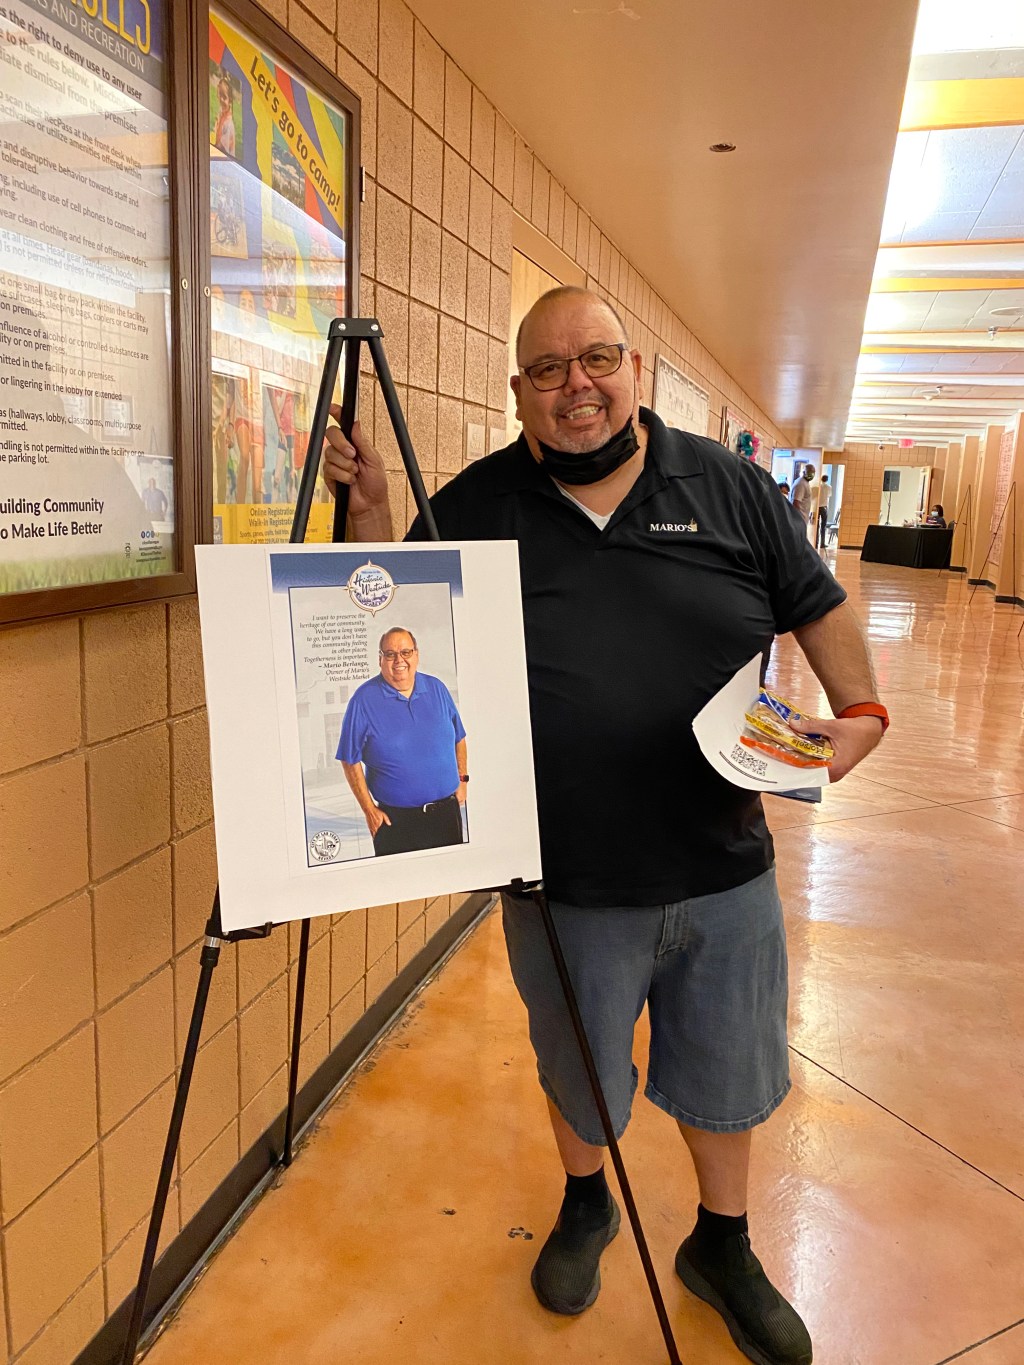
<point>282,132</point>
<point>279,220</point>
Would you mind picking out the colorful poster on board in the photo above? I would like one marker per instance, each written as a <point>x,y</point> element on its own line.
<point>732,425</point>
<point>278,207</point>
<point>86,446</point>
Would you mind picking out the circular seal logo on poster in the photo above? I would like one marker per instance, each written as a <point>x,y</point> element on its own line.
<point>324,846</point>
<point>371,588</point>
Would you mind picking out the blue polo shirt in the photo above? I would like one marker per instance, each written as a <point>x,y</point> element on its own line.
<point>407,744</point>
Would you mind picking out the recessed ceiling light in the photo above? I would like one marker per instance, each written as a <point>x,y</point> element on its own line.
<point>722,147</point>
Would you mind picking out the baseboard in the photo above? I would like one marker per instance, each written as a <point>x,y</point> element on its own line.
<point>981,583</point>
<point>1014,601</point>
<point>958,568</point>
<point>851,547</point>
<point>187,1256</point>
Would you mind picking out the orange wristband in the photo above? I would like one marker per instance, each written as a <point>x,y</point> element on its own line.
<point>866,708</point>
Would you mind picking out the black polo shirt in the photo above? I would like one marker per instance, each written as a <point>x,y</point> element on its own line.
<point>629,631</point>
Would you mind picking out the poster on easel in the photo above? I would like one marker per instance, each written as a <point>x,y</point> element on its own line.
<point>369,727</point>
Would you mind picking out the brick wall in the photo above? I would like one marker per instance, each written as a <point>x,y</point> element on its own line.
<point>107,863</point>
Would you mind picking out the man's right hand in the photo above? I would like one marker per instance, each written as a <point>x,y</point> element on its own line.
<point>357,464</point>
<point>375,817</point>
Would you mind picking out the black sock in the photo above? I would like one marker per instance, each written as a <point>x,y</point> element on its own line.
<point>713,1228</point>
<point>591,1190</point>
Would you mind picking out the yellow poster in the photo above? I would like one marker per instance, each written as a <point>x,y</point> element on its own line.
<point>278,209</point>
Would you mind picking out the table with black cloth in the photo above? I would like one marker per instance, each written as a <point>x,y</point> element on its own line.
<point>916,547</point>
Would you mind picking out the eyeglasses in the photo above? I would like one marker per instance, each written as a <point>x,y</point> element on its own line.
<point>598,362</point>
<point>390,655</point>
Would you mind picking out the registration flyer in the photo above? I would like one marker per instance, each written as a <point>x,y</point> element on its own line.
<point>86,455</point>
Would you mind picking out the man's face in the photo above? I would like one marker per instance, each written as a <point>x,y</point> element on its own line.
<point>585,412</point>
<point>396,669</point>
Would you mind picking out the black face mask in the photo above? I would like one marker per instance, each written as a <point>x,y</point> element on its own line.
<point>594,464</point>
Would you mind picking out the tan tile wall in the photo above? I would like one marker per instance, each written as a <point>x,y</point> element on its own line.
<point>862,486</point>
<point>107,862</point>
<point>107,869</point>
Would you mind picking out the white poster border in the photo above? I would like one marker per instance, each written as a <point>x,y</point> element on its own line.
<point>248,706</point>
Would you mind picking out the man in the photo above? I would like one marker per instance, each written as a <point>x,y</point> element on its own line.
<point>403,752</point>
<point>654,565</point>
<point>824,511</point>
<point>154,501</point>
<point>802,497</point>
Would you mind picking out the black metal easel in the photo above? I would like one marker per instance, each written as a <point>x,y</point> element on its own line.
<point>346,335</point>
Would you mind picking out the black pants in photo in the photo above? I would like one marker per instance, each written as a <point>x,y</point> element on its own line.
<point>822,527</point>
<point>418,827</point>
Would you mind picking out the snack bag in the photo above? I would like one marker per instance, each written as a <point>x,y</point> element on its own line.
<point>769,731</point>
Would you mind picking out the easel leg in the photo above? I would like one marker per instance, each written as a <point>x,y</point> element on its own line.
<point>208,960</point>
<point>350,392</point>
<point>293,1068</point>
<point>606,1123</point>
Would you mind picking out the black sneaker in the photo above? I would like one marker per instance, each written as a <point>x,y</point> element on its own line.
<point>763,1325</point>
<point>567,1275</point>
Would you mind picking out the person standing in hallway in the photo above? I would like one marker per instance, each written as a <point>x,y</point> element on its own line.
<point>654,565</point>
<point>824,511</point>
<point>802,496</point>
<point>154,501</point>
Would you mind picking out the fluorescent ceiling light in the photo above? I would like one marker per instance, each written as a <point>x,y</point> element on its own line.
<point>954,26</point>
<point>915,186</point>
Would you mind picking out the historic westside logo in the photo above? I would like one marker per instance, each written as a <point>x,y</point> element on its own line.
<point>371,588</point>
<point>324,846</point>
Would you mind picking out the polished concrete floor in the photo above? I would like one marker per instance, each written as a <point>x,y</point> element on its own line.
<point>888,1191</point>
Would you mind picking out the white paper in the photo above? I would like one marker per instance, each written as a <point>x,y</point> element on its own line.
<point>719,726</point>
<point>273,722</point>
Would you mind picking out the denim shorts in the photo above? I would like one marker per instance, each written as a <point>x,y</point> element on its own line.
<point>712,971</point>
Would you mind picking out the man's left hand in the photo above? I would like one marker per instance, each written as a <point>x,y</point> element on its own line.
<point>852,739</point>
<point>461,793</point>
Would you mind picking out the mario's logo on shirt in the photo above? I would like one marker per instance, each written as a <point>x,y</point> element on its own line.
<point>371,588</point>
<point>670,527</point>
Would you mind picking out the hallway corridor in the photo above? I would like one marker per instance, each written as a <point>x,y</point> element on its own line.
<point>888,1191</point>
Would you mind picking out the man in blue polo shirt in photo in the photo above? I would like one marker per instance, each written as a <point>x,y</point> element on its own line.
<point>403,751</point>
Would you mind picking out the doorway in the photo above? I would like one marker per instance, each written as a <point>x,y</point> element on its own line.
<point>904,491</point>
<point>537,266</point>
<point>529,281</point>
